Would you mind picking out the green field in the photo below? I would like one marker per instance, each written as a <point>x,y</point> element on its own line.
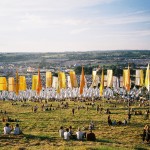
<point>41,128</point>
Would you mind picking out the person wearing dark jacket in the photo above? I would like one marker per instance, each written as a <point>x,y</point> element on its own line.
<point>90,136</point>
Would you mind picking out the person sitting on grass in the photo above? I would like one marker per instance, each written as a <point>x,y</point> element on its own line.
<point>90,136</point>
<point>67,134</point>
<point>125,122</point>
<point>17,130</point>
<point>79,134</point>
<point>61,132</point>
<point>7,129</point>
<point>114,122</point>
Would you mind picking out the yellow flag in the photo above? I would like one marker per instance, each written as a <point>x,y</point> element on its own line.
<point>102,83</point>
<point>59,82</point>
<point>73,79</point>
<point>3,84</point>
<point>126,79</point>
<point>63,80</point>
<point>39,83</point>
<point>48,79</point>
<point>11,84</point>
<point>147,78</point>
<point>82,81</point>
<point>34,82</point>
<point>22,83</point>
<point>17,83</point>
<point>141,78</point>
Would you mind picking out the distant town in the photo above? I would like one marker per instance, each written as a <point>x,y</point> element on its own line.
<point>28,63</point>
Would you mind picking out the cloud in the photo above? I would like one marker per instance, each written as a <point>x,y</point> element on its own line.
<point>36,23</point>
<point>78,31</point>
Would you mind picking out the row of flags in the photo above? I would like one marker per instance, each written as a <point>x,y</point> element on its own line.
<point>19,82</point>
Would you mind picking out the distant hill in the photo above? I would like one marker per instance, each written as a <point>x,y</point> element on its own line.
<point>92,58</point>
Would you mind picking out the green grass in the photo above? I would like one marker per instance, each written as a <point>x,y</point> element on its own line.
<point>41,129</point>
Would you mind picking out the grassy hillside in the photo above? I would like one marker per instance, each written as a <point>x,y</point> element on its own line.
<point>41,128</point>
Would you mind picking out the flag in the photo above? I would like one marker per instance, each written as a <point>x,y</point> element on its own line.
<point>102,83</point>
<point>39,83</point>
<point>82,81</point>
<point>95,79</point>
<point>3,84</point>
<point>17,83</point>
<point>69,82</point>
<point>55,82</point>
<point>11,84</point>
<point>139,78</point>
<point>22,83</point>
<point>48,79</point>
<point>109,78</point>
<point>73,79</point>
<point>115,82</point>
<point>126,79</point>
<point>121,81</point>
<point>34,82</point>
<point>105,80</point>
<point>147,78</point>
<point>62,80</point>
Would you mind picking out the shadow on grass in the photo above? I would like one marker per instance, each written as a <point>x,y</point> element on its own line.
<point>104,141</point>
<point>39,137</point>
<point>140,148</point>
<point>132,124</point>
<point>11,136</point>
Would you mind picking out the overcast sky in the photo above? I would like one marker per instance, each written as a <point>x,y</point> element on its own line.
<point>74,25</point>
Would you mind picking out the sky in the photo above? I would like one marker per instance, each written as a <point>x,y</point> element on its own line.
<point>74,25</point>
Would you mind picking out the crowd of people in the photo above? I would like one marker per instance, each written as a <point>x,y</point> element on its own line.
<point>114,122</point>
<point>80,134</point>
<point>68,134</point>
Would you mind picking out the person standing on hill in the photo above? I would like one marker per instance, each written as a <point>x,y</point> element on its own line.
<point>109,121</point>
<point>73,111</point>
<point>129,116</point>
<point>146,133</point>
